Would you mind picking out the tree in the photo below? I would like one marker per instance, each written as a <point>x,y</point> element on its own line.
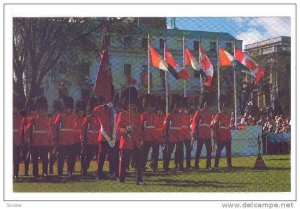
<point>55,48</point>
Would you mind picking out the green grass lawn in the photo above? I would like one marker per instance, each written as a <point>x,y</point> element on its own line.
<point>243,178</point>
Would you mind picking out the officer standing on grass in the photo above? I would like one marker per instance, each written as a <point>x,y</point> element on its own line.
<point>129,127</point>
<point>201,132</point>
<point>37,132</point>
<point>221,125</point>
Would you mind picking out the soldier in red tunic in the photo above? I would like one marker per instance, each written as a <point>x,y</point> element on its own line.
<point>172,130</point>
<point>186,133</point>
<point>37,129</point>
<point>107,117</point>
<point>89,137</point>
<point>31,113</point>
<point>201,132</point>
<point>129,127</point>
<point>65,124</point>
<point>57,110</point>
<point>221,125</point>
<point>18,133</point>
<point>80,116</point>
<point>148,121</point>
<point>114,151</point>
<point>158,134</point>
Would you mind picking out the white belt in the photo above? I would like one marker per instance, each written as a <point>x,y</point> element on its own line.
<point>149,127</point>
<point>15,130</point>
<point>175,128</point>
<point>40,131</point>
<point>66,129</point>
<point>224,127</point>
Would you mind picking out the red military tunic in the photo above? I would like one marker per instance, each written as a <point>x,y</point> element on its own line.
<point>67,125</point>
<point>90,130</point>
<point>201,124</point>
<point>158,132</point>
<point>38,127</point>
<point>221,122</point>
<point>79,122</point>
<point>148,126</point>
<point>173,120</point>
<point>185,127</point>
<point>105,116</point>
<point>134,140</point>
<point>18,127</point>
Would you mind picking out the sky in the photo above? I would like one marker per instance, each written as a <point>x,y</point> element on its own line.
<point>248,29</point>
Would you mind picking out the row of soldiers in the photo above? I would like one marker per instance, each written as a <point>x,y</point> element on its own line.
<point>118,131</point>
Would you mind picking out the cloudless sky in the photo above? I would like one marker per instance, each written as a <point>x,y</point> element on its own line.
<point>248,29</point>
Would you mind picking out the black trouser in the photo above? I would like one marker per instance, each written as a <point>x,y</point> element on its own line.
<point>154,155</point>
<point>221,145</point>
<point>76,150</point>
<point>168,149</point>
<point>16,158</point>
<point>64,151</point>
<point>188,150</point>
<point>88,153</point>
<point>208,146</point>
<point>42,152</point>
<point>125,159</point>
<point>53,156</point>
<point>103,151</point>
<point>114,160</point>
<point>145,151</point>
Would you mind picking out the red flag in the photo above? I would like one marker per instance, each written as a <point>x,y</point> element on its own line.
<point>225,58</point>
<point>257,72</point>
<point>206,67</point>
<point>156,60</point>
<point>104,82</point>
<point>175,69</point>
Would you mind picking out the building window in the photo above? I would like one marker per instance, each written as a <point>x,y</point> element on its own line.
<point>212,46</point>
<point>196,45</point>
<point>144,43</point>
<point>196,74</point>
<point>127,69</point>
<point>127,41</point>
<point>229,48</point>
<point>161,43</point>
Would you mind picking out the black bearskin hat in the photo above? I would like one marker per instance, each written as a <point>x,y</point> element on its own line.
<point>68,102</point>
<point>18,103</point>
<point>175,101</point>
<point>93,102</point>
<point>57,106</point>
<point>128,96</point>
<point>41,103</point>
<point>30,106</point>
<point>80,106</point>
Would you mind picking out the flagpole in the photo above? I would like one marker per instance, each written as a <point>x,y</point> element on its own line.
<point>166,80</point>
<point>200,77</point>
<point>184,81</point>
<point>148,65</point>
<point>218,71</point>
<point>234,90</point>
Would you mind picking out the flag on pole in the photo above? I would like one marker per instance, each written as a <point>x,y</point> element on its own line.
<point>177,71</point>
<point>156,60</point>
<point>225,58</point>
<point>104,83</point>
<point>206,67</point>
<point>256,71</point>
<point>190,60</point>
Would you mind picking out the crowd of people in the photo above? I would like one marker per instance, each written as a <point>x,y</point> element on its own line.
<point>118,132</point>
